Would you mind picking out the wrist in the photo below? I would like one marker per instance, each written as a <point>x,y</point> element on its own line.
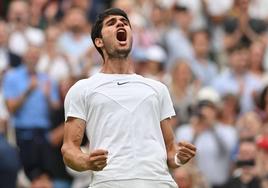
<point>177,160</point>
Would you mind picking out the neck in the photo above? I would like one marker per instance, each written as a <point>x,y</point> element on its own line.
<point>117,66</point>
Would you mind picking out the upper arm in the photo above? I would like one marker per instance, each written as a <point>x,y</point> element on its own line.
<point>74,130</point>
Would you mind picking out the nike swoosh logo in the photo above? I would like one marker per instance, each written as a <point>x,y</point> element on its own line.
<point>121,83</point>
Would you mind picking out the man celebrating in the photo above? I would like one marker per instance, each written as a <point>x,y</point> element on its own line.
<point>127,118</point>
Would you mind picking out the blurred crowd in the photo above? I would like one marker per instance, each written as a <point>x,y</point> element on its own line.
<point>212,55</point>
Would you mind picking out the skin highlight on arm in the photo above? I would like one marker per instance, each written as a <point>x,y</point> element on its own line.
<point>183,150</point>
<point>73,156</point>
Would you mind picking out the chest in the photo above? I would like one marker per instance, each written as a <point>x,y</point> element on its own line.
<point>123,95</point>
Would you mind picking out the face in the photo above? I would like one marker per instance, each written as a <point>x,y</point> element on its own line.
<point>182,73</point>
<point>239,60</point>
<point>116,41</point>
<point>184,19</point>
<point>52,34</point>
<point>201,44</point>
<point>31,58</point>
<point>247,151</point>
<point>208,114</point>
<point>19,12</point>
<point>75,20</point>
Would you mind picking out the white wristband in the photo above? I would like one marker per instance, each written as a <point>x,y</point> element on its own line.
<point>177,161</point>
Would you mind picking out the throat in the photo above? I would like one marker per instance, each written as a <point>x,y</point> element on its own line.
<point>117,66</point>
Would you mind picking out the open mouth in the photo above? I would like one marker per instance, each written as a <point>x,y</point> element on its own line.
<point>121,35</point>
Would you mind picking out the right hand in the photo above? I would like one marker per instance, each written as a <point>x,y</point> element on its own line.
<point>98,159</point>
<point>33,83</point>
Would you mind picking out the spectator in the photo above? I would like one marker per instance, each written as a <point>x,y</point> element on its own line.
<point>229,109</point>
<point>214,141</point>
<point>256,62</point>
<point>248,126</point>
<point>52,61</point>
<point>182,90</point>
<point>203,68</point>
<point>61,177</point>
<point>237,79</point>
<point>7,58</point>
<point>75,41</point>
<point>22,34</point>
<point>177,38</point>
<point>30,96</point>
<point>36,11</point>
<point>9,158</point>
<point>158,24</point>
<point>262,104</point>
<point>155,58</point>
<point>189,177</point>
<point>245,165</point>
<point>262,143</point>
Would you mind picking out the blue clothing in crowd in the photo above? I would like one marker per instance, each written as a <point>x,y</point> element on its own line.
<point>36,106</point>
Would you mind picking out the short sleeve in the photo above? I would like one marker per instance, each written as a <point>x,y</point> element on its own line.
<point>166,108</point>
<point>10,89</point>
<point>74,103</point>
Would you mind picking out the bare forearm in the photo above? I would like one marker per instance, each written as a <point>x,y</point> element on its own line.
<point>75,158</point>
<point>171,159</point>
<point>14,104</point>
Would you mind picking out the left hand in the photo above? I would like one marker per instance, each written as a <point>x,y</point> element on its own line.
<point>47,88</point>
<point>186,152</point>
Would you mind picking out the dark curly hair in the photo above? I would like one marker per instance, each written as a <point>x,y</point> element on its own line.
<point>97,27</point>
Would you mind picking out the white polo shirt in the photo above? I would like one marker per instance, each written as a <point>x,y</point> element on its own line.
<point>123,114</point>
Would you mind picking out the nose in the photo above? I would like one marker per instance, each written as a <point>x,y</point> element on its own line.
<point>119,23</point>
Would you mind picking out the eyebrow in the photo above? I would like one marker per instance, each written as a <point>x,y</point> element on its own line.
<point>113,19</point>
<point>109,21</point>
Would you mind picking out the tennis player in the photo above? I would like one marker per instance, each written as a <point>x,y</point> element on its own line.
<point>127,118</point>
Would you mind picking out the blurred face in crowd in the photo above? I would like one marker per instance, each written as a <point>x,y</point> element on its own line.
<point>157,15</point>
<point>31,58</point>
<point>183,19</point>
<point>247,152</point>
<point>256,56</point>
<point>230,104</point>
<point>116,38</point>
<point>3,33</point>
<point>75,20</point>
<point>200,42</point>
<point>52,34</point>
<point>249,125</point>
<point>239,60</point>
<point>126,6</point>
<point>83,4</point>
<point>208,115</point>
<point>18,12</point>
<point>181,72</point>
<point>243,4</point>
<point>182,178</point>
<point>38,3</point>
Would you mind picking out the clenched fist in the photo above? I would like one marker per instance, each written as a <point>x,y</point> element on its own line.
<point>98,159</point>
<point>186,151</point>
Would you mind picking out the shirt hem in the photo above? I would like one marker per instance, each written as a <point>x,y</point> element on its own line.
<point>123,179</point>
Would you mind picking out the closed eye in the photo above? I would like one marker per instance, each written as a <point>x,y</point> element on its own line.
<point>111,22</point>
<point>125,22</point>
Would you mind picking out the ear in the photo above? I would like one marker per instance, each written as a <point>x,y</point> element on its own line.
<point>99,42</point>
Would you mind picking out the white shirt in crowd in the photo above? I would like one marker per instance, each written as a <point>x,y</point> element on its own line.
<point>19,41</point>
<point>214,164</point>
<point>123,114</point>
<point>57,68</point>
